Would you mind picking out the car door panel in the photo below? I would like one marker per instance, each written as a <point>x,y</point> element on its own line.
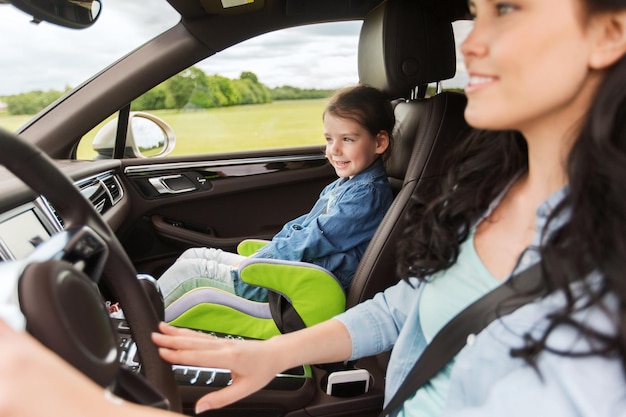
<point>215,203</point>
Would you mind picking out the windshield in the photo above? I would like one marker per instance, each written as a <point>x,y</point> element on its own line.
<point>45,56</point>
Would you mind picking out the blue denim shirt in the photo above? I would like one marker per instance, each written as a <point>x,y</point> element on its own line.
<point>337,230</point>
<point>391,318</point>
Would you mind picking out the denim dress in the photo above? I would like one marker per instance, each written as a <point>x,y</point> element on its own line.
<point>337,230</point>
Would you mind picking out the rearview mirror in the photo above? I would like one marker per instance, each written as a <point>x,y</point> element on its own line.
<point>76,14</point>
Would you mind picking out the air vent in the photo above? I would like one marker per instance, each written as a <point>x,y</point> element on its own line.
<point>50,213</point>
<point>56,215</point>
<point>113,188</point>
<point>97,194</point>
<point>103,191</point>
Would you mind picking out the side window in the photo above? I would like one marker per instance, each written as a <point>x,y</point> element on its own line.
<point>265,93</point>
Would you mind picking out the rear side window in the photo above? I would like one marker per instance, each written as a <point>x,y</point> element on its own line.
<point>265,93</point>
<point>461,29</point>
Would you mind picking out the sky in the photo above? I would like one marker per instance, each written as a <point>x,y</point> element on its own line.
<point>45,56</point>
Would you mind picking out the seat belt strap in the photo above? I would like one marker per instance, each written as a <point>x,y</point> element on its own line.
<point>518,290</point>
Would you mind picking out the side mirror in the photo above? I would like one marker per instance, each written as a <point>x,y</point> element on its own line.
<point>147,137</point>
<point>69,13</point>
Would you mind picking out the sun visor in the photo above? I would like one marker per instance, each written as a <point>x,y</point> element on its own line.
<point>232,6</point>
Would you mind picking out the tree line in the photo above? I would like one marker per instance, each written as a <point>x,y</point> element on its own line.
<point>190,89</point>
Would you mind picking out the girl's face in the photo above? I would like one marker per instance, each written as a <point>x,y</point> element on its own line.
<point>528,62</point>
<point>350,148</point>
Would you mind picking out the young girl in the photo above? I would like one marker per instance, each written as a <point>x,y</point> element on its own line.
<point>358,123</point>
<point>541,182</point>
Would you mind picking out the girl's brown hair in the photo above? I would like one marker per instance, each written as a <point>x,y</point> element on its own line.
<point>365,105</point>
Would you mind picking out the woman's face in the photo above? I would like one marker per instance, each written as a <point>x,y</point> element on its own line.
<point>528,62</point>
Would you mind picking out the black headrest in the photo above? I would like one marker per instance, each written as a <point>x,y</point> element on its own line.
<point>402,46</point>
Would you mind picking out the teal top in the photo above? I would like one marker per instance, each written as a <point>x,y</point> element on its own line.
<point>393,318</point>
<point>445,295</point>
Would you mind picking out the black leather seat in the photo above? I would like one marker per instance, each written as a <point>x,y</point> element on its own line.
<point>401,49</point>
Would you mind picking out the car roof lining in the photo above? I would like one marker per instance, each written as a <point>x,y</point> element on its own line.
<point>345,9</point>
<point>279,14</point>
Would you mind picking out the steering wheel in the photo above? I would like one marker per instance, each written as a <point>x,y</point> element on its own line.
<point>57,284</point>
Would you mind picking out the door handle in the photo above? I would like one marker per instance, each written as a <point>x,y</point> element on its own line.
<point>172,184</point>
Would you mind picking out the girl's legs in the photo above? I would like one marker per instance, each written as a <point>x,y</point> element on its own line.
<point>247,291</point>
<point>199,267</point>
<point>212,254</point>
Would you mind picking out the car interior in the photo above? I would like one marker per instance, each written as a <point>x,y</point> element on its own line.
<point>100,230</point>
<point>421,125</point>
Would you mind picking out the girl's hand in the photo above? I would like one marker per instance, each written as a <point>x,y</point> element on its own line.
<point>253,364</point>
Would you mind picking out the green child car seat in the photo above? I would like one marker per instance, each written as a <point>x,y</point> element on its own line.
<point>300,295</point>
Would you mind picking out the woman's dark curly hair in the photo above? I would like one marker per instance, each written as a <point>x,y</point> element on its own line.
<point>594,239</point>
<point>481,166</point>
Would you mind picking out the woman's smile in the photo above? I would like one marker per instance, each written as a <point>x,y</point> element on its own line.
<point>477,82</point>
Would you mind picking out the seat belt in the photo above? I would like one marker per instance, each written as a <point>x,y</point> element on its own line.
<point>518,290</point>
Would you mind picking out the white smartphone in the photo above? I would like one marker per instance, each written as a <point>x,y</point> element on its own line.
<point>348,383</point>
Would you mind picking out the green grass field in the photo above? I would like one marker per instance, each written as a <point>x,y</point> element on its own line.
<point>276,125</point>
<point>12,123</point>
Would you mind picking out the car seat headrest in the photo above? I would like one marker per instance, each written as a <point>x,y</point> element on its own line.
<point>402,46</point>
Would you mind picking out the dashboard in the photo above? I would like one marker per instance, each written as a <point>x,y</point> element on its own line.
<point>24,227</point>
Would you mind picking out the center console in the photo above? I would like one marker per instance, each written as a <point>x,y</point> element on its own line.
<point>290,380</point>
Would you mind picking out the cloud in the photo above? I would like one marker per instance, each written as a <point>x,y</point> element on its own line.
<point>307,57</point>
<point>46,56</point>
